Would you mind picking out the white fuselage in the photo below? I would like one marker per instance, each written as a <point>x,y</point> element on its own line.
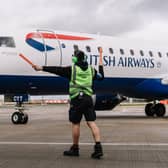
<point>122,59</point>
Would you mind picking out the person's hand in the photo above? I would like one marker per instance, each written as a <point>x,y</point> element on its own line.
<point>37,68</point>
<point>100,50</point>
<point>100,56</point>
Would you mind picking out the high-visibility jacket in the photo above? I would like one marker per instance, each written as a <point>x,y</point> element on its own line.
<point>81,81</point>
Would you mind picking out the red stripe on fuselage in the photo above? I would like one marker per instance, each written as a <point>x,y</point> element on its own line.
<point>56,36</point>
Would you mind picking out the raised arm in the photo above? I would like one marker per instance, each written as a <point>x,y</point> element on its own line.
<point>100,56</point>
<point>58,70</point>
<point>100,75</point>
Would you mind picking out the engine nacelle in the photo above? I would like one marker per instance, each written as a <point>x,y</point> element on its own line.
<point>108,102</point>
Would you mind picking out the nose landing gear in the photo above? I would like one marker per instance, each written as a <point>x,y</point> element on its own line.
<point>19,117</point>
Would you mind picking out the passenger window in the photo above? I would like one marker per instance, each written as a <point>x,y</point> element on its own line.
<point>132,52</point>
<point>141,52</point>
<point>7,42</point>
<point>76,47</point>
<point>111,51</point>
<point>160,54</point>
<point>63,45</point>
<point>88,49</point>
<point>150,53</point>
<point>122,51</point>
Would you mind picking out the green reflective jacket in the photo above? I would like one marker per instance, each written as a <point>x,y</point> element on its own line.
<point>81,81</point>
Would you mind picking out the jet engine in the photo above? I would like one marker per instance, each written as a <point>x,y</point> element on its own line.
<point>108,102</point>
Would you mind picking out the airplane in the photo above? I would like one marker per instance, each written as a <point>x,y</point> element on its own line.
<point>131,68</point>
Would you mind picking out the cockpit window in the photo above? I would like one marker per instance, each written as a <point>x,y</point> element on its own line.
<point>7,42</point>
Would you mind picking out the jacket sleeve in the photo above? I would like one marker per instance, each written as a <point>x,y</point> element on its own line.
<point>58,70</point>
<point>99,75</point>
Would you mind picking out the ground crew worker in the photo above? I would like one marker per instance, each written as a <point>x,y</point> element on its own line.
<point>81,76</point>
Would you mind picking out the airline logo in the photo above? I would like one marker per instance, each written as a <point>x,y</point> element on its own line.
<point>33,39</point>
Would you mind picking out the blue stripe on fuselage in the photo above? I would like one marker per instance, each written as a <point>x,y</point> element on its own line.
<point>39,46</point>
<point>131,87</point>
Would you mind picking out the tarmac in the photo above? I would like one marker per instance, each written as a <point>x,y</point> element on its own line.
<point>129,138</point>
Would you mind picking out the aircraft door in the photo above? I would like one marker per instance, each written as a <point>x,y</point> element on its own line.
<point>51,50</point>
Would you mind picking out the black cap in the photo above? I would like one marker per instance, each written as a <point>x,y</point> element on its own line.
<point>80,55</point>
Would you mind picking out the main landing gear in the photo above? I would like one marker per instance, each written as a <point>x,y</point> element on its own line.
<point>155,109</point>
<point>19,117</point>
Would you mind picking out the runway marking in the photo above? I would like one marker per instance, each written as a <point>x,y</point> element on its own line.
<point>84,144</point>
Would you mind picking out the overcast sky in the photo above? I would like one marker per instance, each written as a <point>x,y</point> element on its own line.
<point>124,18</point>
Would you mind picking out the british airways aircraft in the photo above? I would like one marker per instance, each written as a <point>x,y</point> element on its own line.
<point>130,70</point>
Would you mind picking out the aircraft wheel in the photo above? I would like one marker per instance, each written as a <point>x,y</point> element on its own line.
<point>24,118</point>
<point>150,110</point>
<point>16,118</point>
<point>160,110</point>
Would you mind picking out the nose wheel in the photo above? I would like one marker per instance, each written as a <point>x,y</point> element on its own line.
<point>19,117</point>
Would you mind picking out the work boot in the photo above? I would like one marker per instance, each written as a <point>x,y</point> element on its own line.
<point>73,151</point>
<point>98,151</point>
